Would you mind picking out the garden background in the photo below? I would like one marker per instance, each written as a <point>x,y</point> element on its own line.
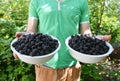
<point>104,19</point>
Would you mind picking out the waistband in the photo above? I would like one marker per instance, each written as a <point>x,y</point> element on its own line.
<point>45,66</point>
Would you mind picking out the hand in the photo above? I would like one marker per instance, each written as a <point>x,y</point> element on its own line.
<point>18,34</point>
<point>105,37</point>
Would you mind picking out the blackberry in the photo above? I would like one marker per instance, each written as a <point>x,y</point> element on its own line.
<point>88,44</point>
<point>36,44</point>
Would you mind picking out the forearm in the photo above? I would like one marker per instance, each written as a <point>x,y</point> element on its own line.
<point>32,25</point>
<point>85,28</point>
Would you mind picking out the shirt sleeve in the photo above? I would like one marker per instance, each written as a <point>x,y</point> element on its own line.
<point>33,9</point>
<point>84,18</point>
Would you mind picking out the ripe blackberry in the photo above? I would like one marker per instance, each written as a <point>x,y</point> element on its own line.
<point>36,44</point>
<point>88,44</point>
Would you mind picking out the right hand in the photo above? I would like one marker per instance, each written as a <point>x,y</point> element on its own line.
<point>18,34</point>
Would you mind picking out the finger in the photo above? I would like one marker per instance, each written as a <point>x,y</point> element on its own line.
<point>38,65</point>
<point>15,56</point>
<point>18,34</point>
<point>106,37</point>
<point>105,59</point>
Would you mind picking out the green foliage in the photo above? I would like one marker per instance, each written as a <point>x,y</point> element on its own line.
<point>103,71</point>
<point>89,72</point>
<point>104,19</point>
<point>13,19</point>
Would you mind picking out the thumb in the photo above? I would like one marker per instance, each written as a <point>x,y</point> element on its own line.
<point>105,37</point>
<point>15,55</point>
<point>18,34</point>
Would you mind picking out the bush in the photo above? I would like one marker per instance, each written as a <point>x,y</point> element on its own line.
<point>104,19</point>
<point>11,21</point>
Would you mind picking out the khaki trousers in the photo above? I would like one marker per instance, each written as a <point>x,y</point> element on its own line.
<point>66,74</point>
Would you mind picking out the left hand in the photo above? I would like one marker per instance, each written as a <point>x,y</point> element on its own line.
<point>105,37</point>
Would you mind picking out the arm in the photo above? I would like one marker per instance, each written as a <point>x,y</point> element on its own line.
<point>31,28</point>
<point>32,25</point>
<point>32,21</point>
<point>84,19</point>
<point>33,17</point>
<point>85,28</point>
<point>84,23</point>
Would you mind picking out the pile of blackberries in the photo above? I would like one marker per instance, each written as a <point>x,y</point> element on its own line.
<point>88,44</point>
<point>36,44</point>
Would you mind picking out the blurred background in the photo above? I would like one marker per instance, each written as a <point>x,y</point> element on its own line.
<point>104,19</point>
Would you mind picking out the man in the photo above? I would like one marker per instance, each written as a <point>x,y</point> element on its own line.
<point>60,19</point>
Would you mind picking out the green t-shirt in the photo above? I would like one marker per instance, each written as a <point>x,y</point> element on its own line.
<point>60,20</point>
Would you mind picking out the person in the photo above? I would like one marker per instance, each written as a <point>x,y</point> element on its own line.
<point>61,19</point>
